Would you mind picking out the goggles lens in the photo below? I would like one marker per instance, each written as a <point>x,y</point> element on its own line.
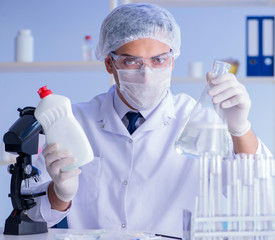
<point>131,62</point>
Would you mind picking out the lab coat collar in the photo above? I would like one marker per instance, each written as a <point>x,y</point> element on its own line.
<point>160,116</point>
<point>111,121</point>
<point>157,118</point>
<point>120,107</point>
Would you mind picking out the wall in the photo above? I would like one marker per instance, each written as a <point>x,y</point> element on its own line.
<point>58,28</point>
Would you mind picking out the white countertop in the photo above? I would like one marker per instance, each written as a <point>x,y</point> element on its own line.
<point>43,236</point>
<point>50,235</point>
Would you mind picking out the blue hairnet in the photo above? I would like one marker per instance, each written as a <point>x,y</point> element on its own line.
<point>133,21</point>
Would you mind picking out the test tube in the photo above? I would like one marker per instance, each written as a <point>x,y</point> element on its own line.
<point>205,184</point>
<point>215,197</point>
<point>218,186</point>
<point>234,198</point>
<point>244,180</point>
<point>272,169</point>
<point>245,166</point>
<point>257,225</point>
<point>203,190</point>
<point>250,191</point>
<point>239,192</point>
<point>229,191</point>
<point>262,188</point>
<point>269,189</point>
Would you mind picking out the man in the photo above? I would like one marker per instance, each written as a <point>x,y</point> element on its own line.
<point>137,181</point>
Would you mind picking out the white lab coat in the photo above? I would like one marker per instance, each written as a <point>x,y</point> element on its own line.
<point>136,182</point>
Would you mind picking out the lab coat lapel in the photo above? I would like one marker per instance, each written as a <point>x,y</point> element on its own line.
<point>108,116</point>
<point>160,116</point>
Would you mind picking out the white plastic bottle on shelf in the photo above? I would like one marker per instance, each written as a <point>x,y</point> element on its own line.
<point>87,49</point>
<point>24,46</point>
<point>54,113</point>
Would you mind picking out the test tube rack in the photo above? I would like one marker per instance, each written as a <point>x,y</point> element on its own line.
<point>247,212</point>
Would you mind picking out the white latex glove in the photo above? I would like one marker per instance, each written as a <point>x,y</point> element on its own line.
<point>234,101</point>
<point>65,183</point>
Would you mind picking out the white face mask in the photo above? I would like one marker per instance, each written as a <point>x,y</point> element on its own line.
<point>144,89</point>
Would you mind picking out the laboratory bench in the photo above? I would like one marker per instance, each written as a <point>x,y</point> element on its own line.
<point>53,233</point>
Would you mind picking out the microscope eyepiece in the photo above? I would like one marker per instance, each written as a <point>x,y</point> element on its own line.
<point>23,135</point>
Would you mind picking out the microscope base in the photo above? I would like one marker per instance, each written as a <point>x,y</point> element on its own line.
<point>21,224</point>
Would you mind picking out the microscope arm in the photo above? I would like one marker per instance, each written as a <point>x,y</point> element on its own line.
<point>20,171</point>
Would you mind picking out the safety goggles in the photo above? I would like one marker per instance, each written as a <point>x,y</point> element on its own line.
<point>131,62</point>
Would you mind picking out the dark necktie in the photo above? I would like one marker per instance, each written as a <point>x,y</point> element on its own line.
<point>132,117</point>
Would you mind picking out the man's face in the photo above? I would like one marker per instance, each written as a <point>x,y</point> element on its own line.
<point>143,48</point>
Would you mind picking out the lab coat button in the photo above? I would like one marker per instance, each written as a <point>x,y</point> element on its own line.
<point>130,141</point>
<point>123,225</point>
<point>166,123</point>
<point>125,182</point>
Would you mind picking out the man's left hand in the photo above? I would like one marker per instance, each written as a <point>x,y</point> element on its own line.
<point>234,101</point>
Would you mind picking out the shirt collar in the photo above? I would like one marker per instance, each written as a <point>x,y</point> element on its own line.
<point>120,107</point>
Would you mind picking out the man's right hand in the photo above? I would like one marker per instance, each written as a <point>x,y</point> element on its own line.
<point>65,184</point>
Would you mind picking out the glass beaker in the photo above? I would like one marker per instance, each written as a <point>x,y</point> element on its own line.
<point>205,130</point>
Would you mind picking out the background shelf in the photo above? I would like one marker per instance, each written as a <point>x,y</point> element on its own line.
<point>52,67</point>
<point>241,79</point>
<point>94,66</point>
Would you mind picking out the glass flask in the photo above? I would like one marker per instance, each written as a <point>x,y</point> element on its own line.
<point>205,130</point>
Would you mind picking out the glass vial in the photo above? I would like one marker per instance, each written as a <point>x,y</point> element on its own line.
<point>24,46</point>
<point>205,130</point>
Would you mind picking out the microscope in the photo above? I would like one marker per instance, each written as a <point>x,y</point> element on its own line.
<point>22,138</point>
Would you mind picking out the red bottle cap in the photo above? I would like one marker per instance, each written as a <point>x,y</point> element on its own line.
<point>44,92</point>
<point>88,37</point>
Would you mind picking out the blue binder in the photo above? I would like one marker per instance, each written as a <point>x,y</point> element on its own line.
<point>268,46</point>
<point>260,45</point>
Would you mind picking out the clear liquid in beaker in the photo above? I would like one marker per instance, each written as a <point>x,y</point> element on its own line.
<point>206,138</point>
<point>205,130</point>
